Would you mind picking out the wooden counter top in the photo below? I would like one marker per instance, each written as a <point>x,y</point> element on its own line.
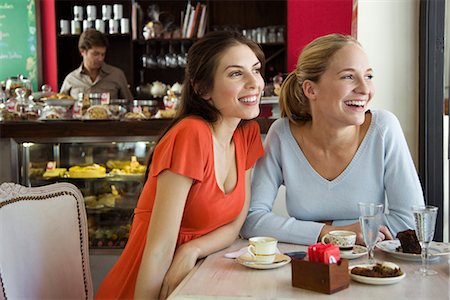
<point>218,277</point>
<point>109,128</point>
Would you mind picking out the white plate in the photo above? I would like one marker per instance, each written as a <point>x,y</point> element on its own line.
<point>59,102</point>
<point>436,250</point>
<point>375,280</point>
<point>356,252</point>
<point>247,260</point>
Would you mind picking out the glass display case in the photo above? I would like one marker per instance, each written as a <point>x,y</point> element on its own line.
<point>109,173</point>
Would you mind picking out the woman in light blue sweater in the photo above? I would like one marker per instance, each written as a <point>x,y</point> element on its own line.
<point>331,152</point>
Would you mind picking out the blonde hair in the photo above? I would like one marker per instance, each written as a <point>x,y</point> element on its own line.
<point>311,64</point>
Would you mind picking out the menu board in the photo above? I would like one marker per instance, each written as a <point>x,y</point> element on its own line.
<point>18,42</point>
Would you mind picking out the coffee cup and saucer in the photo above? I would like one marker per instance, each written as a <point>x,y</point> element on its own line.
<point>346,241</point>
<point>262,253</point>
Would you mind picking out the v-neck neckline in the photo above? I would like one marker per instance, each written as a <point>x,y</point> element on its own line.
<point>343,174</point>
<point>214,163</point>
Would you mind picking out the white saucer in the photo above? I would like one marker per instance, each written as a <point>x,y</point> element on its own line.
<point>356,252</point>
<point>375,280</point>
<point>436,250</point>
<point>247,261</point>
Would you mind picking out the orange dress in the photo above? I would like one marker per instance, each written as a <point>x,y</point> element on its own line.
<point>186,149</point>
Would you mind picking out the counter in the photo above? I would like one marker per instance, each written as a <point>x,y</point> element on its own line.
<point>217,277</point>
<point>93,128</point>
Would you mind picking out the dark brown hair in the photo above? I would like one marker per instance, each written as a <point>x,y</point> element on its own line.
<point>203,60</point>
<point>92,38</point>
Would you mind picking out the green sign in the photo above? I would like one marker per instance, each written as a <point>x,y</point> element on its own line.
<point>18,40</point>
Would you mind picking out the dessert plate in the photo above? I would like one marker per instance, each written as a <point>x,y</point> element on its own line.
<point>59,102</point>
<point>356,252</point>
<point>436,250</point>
<point>247,261</point>
<point>376,280</point>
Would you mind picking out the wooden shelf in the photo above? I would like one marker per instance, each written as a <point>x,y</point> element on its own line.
<point>126,53</point>
<point>35,130</point>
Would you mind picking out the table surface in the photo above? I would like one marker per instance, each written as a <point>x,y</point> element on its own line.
<point>218,277</point>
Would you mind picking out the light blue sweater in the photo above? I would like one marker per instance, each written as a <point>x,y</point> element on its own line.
<point>381,171</point>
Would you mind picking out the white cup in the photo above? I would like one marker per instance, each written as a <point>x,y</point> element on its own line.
<point>106,12</point>
<point>100,25</point>
<point>87,24</point>
<point>78,13</point>
<point>64,26</point>
<point>124,26</point>
<point>263,249</point>
<point>113,26</point>
<point>75,27</point>
<point>118,11</point>
<point>340,238</point>
<point>91,12</point>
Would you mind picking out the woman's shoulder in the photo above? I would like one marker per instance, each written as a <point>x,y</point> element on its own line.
<point>279,126</point>
<point>189,127</point>
<point>193,124</point>
<point>384,118</point>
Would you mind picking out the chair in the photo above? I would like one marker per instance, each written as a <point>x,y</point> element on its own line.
<point>43,243</point>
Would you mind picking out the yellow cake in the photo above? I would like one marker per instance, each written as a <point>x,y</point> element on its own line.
<point>91,171</point>
<point>121,167</point>
<point>56,172</point>
<point>109,199</point>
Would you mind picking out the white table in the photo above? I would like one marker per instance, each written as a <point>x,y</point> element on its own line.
<point>217,277</point>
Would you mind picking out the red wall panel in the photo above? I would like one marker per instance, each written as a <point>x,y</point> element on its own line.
<point>48,34</point>
<point>308,19</point>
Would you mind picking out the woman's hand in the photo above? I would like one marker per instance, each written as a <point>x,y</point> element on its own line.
<point>383,234</point>
<point>183,262</point>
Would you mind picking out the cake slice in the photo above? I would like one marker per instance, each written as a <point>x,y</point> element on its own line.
<point>409,242</point>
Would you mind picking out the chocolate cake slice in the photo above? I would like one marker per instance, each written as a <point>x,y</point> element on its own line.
<point>409,242</point>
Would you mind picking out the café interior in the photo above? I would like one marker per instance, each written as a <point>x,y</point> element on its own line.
<point>408,45</point>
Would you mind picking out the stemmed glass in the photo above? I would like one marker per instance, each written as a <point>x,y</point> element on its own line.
<point>370,220</point>
<point>425,217</point>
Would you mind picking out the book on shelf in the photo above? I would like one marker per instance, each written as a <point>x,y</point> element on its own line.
<point>194,20</point>
<point>202,23</point>
<point>186,19</point>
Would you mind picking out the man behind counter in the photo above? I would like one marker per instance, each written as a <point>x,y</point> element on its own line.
<point>94,75</point>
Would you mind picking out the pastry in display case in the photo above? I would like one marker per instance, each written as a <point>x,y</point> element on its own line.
<point>109,175</point>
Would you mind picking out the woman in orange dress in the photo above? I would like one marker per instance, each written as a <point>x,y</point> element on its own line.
<point>197,191</point>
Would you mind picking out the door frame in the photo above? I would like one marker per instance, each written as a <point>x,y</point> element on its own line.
<point>431,105</point>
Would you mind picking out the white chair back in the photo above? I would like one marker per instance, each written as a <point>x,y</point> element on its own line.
<point>44,246</point>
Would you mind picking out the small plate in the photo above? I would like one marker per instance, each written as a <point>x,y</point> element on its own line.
<point>356,252</point>
<point>436,250</point>
<point>59,102</point>
<point>375,280</point>
<point>247,261</point>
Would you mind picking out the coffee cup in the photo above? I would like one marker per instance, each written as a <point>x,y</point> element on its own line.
<point>263,249</point>
<point>341,238</point>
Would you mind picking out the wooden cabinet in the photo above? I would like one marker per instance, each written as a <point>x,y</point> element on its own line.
<point>250,16</point>
<point>69,58</point>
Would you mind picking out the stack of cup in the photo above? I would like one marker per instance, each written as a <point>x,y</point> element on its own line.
<point>75,24</point>
<point>114,23</point>
<point>102,24</point>
<point>91,15</point>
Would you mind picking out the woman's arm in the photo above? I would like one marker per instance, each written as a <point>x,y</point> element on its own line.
<point>402,185</point>
<point>212,242</point>
<point>171,194</point>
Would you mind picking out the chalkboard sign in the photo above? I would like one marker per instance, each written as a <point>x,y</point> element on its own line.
<point>18,42</point>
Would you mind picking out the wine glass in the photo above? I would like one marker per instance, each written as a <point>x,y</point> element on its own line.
<point>425,217</point>
<point>370,220</point>
<point>182,56</point>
